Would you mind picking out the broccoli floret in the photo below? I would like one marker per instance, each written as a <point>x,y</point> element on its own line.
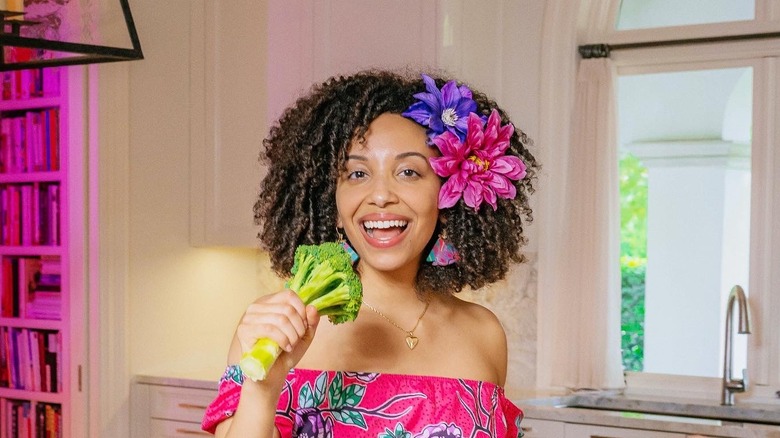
<point>323,277</point>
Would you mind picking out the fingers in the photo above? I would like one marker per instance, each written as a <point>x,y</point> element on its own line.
<point>281,317</point>
<point>312,317</point>
<point>304,342</point>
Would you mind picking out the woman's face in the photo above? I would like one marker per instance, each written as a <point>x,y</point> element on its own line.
<point>387,198</point>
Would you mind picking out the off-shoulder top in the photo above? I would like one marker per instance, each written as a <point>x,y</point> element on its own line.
<point>345,404</point>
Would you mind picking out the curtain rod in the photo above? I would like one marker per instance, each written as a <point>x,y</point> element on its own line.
<point>603,50</point>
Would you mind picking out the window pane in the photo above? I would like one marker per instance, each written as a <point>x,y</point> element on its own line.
<point>685,206</point>
<point>642,14</point>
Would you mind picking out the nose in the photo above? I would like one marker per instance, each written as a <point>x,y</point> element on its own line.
<point>382,193</point>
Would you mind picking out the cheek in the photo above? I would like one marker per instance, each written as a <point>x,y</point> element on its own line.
<point>340,206</point>
<point>433,194</point>
<point>428,201</point>
<point>346,203</point>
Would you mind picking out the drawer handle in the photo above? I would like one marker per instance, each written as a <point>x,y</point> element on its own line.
<point>191,432</point>
<point>191,406</point>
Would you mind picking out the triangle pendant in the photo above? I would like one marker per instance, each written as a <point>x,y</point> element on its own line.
<point>411,341</point>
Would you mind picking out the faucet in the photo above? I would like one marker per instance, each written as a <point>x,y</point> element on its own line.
<point>730,385</point>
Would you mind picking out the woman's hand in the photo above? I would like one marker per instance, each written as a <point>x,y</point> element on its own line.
<point>283,318</point>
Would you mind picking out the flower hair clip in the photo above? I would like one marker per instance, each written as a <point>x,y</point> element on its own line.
<point>473,149</point>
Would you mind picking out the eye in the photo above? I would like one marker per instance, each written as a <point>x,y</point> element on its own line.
<point>356,174</point>
<point>410,173</point>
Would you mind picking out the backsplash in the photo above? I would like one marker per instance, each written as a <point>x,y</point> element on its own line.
<point>513,300</point>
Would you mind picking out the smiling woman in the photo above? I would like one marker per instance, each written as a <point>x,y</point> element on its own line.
<point>426,183</point>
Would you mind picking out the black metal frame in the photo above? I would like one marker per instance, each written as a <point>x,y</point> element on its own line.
<point>92,54</point>
<point>603,50</point>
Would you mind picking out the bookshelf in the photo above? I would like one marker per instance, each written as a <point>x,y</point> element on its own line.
<point>34,297</point>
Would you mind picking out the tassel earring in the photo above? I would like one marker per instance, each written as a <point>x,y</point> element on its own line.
<point>352,254</point>
<point>442,253</point>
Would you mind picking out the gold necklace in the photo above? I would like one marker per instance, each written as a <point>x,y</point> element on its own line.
<point>411,339</point>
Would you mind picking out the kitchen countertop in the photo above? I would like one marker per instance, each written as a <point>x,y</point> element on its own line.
<point>688,416</point>
<point>189,380</point>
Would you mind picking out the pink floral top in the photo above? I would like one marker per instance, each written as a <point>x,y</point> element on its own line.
<point>346,404</point>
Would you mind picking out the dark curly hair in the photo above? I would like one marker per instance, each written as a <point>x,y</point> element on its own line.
<point>306,151</point>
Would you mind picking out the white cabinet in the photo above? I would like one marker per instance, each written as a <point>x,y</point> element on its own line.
<point>284,48</point>
<point>538,428</point>
<point>164,411</point>
<point>533,428</point>
<point>589,431</point>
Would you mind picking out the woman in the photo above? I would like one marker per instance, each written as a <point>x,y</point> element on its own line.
<point>427,182</point>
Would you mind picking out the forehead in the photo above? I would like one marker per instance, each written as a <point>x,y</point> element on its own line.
<point>393,134</point>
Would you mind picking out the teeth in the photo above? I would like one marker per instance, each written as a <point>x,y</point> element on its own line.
<point>371,225</point>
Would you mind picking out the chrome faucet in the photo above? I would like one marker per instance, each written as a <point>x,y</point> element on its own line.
<point>730,385</point>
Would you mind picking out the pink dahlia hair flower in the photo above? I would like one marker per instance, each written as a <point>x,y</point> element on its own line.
<point>478,168</point>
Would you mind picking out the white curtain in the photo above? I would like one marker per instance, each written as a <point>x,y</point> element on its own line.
<point>580,274</point>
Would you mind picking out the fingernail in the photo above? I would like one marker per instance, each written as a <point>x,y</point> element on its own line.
<point>288,348</point>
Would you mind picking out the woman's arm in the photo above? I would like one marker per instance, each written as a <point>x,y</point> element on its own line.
<point>283,318</point>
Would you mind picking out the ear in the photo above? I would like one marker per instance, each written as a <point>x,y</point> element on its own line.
<point>339,222</point>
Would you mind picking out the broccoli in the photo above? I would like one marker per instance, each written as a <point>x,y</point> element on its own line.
<point>323,277</point>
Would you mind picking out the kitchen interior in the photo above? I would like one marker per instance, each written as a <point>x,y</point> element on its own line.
<point>648,305</point>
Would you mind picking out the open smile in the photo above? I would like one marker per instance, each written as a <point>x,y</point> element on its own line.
<point>384,233</point>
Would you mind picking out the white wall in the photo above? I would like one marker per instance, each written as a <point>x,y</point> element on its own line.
<point>184,301</point>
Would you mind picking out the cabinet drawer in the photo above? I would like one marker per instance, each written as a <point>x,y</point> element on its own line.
<point>170,429</point>
<point>180,404</point>
<point>587,431</point>
<point>533,428</point>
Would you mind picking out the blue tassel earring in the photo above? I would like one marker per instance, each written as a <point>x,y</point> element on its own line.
<point>442,253</point>
<point>352,254</point>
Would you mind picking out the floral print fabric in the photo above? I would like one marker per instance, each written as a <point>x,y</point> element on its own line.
<point>345,404</point>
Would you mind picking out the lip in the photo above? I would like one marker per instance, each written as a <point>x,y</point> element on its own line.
<point>383,217</point>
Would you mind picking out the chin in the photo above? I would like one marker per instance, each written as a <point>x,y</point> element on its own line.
<point>389,264</point>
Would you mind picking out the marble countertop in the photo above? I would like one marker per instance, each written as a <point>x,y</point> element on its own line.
<point>688,416</point>
<point>195,380</point>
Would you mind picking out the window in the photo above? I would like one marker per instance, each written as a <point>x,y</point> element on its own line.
<point>643,14</point>
<point>660,77</point>
<point>695,129</point>
<point>685,215</point>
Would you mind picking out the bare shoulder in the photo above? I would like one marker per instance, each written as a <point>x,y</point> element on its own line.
<point>481,330</point>
<point>481,322</point>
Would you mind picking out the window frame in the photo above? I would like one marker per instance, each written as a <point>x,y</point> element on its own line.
<point>592,23</point>
<point>764,58</point>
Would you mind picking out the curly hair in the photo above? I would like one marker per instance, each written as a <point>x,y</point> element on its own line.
<point>306,151</point>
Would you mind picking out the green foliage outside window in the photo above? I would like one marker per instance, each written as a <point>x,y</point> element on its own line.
<point>632,315</point>
<point>633,259</point>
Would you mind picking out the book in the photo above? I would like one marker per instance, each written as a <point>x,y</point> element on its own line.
<point>45,298</point>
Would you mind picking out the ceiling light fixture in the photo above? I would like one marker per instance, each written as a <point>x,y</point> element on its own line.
<point>50,33</point>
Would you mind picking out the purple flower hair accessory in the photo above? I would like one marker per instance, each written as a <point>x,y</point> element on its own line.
<point>473,147</point>
<point>444,110</point>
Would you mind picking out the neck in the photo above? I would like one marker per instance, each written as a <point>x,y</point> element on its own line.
<point>397,287</point>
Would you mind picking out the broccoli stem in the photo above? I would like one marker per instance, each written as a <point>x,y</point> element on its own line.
<point>256,362</point>
<point>302,272</point>
<point>334,297</point>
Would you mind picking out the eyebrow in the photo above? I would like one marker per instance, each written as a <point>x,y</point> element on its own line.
<point>397,157</point>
